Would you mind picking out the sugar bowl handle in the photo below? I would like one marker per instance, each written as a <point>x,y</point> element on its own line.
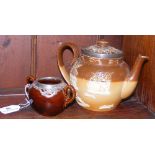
<point>69,93</point>
<point>29,80</point>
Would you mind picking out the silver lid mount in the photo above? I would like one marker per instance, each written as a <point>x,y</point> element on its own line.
<point>102,50</point>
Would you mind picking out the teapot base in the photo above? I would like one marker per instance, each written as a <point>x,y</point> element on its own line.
<point>102,108</point>
<point>99,110</point>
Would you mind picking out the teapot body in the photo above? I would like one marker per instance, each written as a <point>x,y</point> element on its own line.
<point>98,82</point>
<point>99,75</point>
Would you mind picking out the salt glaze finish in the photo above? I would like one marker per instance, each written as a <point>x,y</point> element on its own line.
<point>99,75</point>
<point>50,95</point>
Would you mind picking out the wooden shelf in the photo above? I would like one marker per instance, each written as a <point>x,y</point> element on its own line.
<point>128,109</point>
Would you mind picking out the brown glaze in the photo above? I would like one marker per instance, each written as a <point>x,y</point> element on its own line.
<point>50,82</point>
<point>135,72</point>
<point>132,78</point>
<point>30,79</point>
<point>44,106</point>
<point>100,75</point>
<point>62,48</point>
<point>87,66</point>
<point>50,104</point>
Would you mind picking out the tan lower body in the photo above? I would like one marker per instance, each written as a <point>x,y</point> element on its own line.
<point>98,96</point>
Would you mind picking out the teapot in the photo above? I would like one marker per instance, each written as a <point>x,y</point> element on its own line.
<point>99,75</point>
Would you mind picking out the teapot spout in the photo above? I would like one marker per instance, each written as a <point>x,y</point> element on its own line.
<point>135,72</point>
<point>131,81</point>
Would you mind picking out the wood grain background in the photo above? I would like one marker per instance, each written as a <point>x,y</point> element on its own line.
<point>16,60</point>
<point>47,52</point>
<point>15,56</point>
<point>145,45</point>
<point>23,55</point>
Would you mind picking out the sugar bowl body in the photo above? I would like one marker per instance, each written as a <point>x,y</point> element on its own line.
<point>50,95</point>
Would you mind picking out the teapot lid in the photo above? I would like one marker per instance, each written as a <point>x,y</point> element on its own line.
<point>102,50</point>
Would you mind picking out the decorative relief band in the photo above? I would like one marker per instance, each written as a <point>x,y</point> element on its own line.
<point>50,92</point>
<point>47,90</point>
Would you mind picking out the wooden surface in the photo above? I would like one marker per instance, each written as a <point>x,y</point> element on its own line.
<point>15,54</point>
<point>128,109</point>
<point>145,45</point>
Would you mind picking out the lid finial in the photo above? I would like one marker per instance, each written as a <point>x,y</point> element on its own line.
<point>102,43</point>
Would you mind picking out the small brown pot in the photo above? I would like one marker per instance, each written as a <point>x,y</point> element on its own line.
<point>50,95</point>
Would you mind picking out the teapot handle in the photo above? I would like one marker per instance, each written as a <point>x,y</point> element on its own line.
<point>61,65</point>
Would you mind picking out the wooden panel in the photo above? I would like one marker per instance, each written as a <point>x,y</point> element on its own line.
<point>47,52</point>
<point>15,53</point>
<point>145,45</point>
<point>17,56</point>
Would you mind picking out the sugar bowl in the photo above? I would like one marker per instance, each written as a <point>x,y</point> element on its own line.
<point>50,95</point>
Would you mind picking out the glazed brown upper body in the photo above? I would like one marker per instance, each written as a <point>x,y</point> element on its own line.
<point>88,66</point>
<point>47,106</point>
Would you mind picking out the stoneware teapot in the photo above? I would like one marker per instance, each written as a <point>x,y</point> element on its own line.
<point>99,75</point>
<point>49,95</point>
